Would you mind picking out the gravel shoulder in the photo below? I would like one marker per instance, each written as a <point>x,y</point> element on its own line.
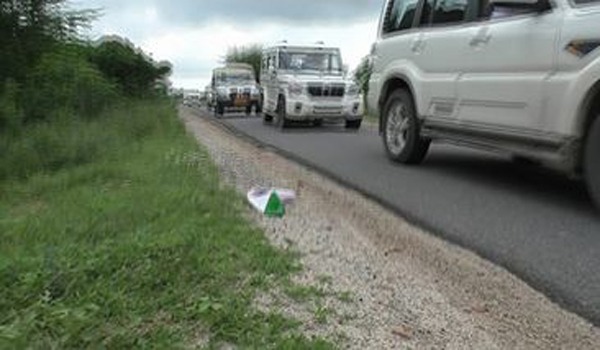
<point>384,283</point>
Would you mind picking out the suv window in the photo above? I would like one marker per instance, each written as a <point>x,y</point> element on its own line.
<point>585,2</point>
<point>400,15</point>
<point>426,13</point>
<point>450,11</point>
<point>500,10</point>
<point>316,61</point>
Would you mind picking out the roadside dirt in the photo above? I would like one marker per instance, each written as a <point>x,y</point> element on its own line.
<point>385,284</point>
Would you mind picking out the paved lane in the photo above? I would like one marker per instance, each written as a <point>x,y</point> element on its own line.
<point>538,224</point>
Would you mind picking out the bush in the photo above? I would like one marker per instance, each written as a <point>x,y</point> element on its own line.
<point>10,113</point>
<point>65,82</point>
<point>135,74</point>
<point>68,141</point>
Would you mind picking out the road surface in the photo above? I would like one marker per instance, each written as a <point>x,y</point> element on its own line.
<point>534,222</point>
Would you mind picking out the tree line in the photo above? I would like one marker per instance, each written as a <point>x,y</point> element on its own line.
<point>48,67</point>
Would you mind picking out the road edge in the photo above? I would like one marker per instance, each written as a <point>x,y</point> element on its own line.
<point>537,284</point>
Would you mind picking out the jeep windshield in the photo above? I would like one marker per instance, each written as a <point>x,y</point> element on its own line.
<point>310,61</point>
<point>235,77</point>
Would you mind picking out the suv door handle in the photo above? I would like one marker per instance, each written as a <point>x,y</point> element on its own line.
<point>418,44</point>
<point>483,37</point>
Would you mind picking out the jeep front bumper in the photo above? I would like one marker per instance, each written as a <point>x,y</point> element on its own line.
<point>302,108</point>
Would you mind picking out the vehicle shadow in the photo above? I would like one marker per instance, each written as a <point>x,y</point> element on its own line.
<point>530,180</point>
<point>310,128</point>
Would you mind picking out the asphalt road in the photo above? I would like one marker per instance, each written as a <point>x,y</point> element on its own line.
<point>536,223</point>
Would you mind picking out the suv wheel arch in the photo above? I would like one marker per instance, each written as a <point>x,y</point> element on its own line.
<point>392,84</point>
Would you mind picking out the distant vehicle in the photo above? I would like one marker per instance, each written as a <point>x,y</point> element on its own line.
<point>209,97</point>
<point>234,87</point>
<point>516,76</point>
<point>308,83</point>
<point>191,98</point>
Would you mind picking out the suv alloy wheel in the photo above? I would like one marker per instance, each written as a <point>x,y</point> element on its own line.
<point>401,132</point>
<point>592,161</point>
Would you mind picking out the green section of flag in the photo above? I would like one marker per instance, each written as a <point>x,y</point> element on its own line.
<point>275,207</point>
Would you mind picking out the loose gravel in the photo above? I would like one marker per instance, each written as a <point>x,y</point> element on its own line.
<point>383,283</point>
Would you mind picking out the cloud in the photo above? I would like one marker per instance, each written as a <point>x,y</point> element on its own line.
<point>195,52</point>
<point>195,34</point>
<point>251,12</point>
<point>283,11</point>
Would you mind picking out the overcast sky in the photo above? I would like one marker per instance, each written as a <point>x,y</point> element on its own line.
<point>195,34</point>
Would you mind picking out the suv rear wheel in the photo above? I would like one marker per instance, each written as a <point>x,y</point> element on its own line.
<point>592,161</point>
<point>401,131</point>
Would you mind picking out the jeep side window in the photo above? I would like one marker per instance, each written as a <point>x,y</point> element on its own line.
<point>400,15</point>
<point>265,63</point>
<point>499,10</point>
<point>270,63</point>
<point>450,11</point>
<point>426,13</point>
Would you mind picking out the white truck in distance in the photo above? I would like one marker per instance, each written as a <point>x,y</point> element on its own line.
<point>308,83</point>
<point>516,76</point>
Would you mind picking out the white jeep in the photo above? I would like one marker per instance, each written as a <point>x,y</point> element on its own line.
<point>516,76</point>
<point>308,83</point>
<point>234,87</point>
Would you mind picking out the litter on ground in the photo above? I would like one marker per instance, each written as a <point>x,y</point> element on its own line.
<point>271,202</point>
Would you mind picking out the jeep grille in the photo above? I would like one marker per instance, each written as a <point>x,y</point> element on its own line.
<point>326,90</point>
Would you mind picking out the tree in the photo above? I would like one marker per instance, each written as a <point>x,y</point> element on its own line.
<point>134,72</point>
<point>29,28</point>
<point>362,74</point>
<point>250,54</point>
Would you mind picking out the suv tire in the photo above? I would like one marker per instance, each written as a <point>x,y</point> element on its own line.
<point>401,131</point>
<point>591,163</point>
<point>219,109</point>
<point>353,124</point>
<point>282,121</point>
<point>267,118</point>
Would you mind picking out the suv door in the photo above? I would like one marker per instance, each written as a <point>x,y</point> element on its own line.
<point>438,52</point>
<point>511,54</point>
<point>392,53</point>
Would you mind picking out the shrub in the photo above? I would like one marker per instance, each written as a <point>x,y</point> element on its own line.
<point>65,82</point>
<point>134,73</point>
<point>10,113</point>
<point>68,141</point>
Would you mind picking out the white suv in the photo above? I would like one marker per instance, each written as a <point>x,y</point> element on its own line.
<point>517,76</point>
<point>308,83</point>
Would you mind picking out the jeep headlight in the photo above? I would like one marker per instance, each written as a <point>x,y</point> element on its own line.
<point>295,89</point>
<point>222,92</point>
<point>353,90</point>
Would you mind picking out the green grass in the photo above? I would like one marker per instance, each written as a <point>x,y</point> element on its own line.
<point>130,242</point>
